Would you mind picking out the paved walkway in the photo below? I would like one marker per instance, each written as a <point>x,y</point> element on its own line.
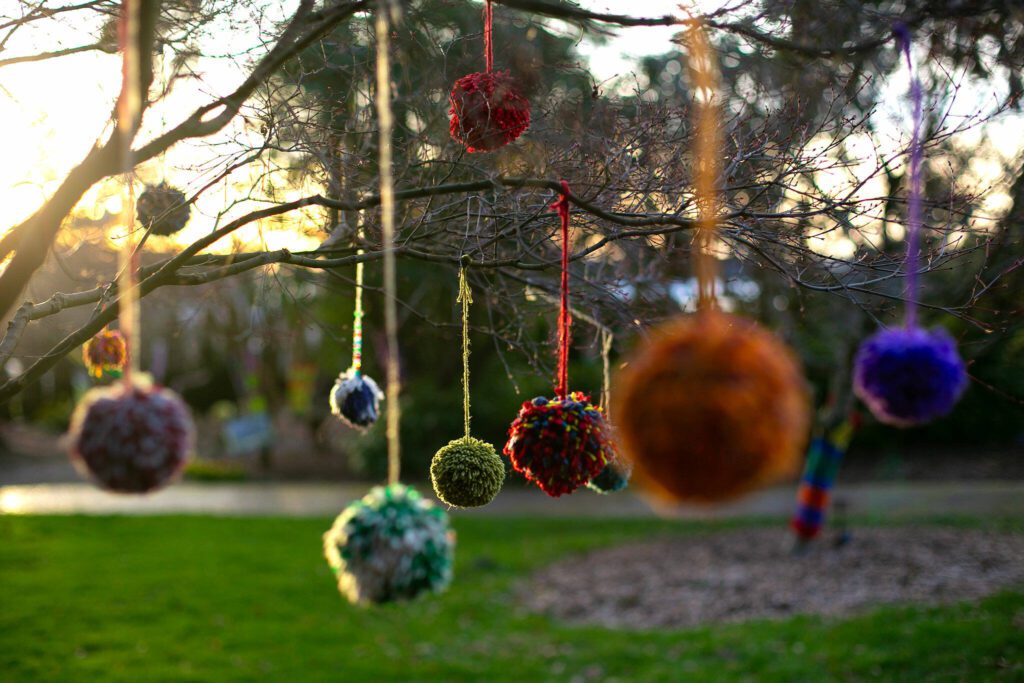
<point>999,498</point>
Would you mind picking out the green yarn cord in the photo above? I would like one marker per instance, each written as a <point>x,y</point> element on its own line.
<point>465,298</point>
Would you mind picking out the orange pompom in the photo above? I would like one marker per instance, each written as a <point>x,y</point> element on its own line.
<point>710,408</point>
<point>105,354</point>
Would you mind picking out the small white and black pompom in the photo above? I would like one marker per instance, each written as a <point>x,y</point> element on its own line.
<point>356,399</point>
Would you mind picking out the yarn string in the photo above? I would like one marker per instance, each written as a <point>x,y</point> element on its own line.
<point>606,372</point>
<point>564,315</point>
<point>707,164</point>
<point>129,108</point>
<point>465,298</point>
<point>387,219</point>
<point>489,36</point>
<point>914,200</point>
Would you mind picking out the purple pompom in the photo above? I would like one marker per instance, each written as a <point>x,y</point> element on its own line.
<point>909,376</point>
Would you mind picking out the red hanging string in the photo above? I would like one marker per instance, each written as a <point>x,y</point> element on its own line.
<point>564,317</point>
<point>488,36</point>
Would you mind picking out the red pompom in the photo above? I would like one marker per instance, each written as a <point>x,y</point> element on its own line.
<point>131,438</point>
<point>487,111</point>
<point>560,443</point>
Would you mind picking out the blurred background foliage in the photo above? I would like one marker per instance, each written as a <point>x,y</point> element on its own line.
<point>282,335</point>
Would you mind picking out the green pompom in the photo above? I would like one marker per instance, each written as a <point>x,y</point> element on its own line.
<point>467,473</point>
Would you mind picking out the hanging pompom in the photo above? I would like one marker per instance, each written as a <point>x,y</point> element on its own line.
<point>356,398</point>
<point>390,545</point>
<point>909,376</point>
<point>614,477</point>
<point>131,438</point>
<point>105,354</point>
<point>162,209</point>
<point>487,111</point>
<point>711,407</point>
<point>467,473</point>
<point>559,444</point>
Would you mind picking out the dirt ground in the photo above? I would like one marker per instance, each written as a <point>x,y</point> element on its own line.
<point>752,574</point>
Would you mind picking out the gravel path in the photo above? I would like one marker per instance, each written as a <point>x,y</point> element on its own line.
<point>751,574</point>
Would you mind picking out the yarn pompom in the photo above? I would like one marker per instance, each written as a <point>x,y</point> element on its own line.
<point>711,407</point>
<point>909,376</point>
<point>487,111</point>
<point>163,209</point>
<point>390,545</point>
<point>105,354</point>
<point>356,398</point>
<point>467,473</point>
<point>614,477</point>
<point>559,444</point>
<point>131,438</point>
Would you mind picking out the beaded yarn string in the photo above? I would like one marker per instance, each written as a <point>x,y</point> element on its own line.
<point>357,315</point>
<point>387,219</point>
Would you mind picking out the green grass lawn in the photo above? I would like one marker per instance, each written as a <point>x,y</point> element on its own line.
<point>204,599</point>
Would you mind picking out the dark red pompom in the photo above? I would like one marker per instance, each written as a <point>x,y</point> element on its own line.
<point>487,111</point>
<point>131,438</point>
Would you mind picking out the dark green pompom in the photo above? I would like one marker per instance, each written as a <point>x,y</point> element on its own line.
<point>467,473</point>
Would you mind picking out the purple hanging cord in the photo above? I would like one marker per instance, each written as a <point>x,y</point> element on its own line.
<point>912,265</point>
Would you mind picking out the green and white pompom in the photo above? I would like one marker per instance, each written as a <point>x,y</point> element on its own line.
<point>390,545</point>
<point>467,473</point>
